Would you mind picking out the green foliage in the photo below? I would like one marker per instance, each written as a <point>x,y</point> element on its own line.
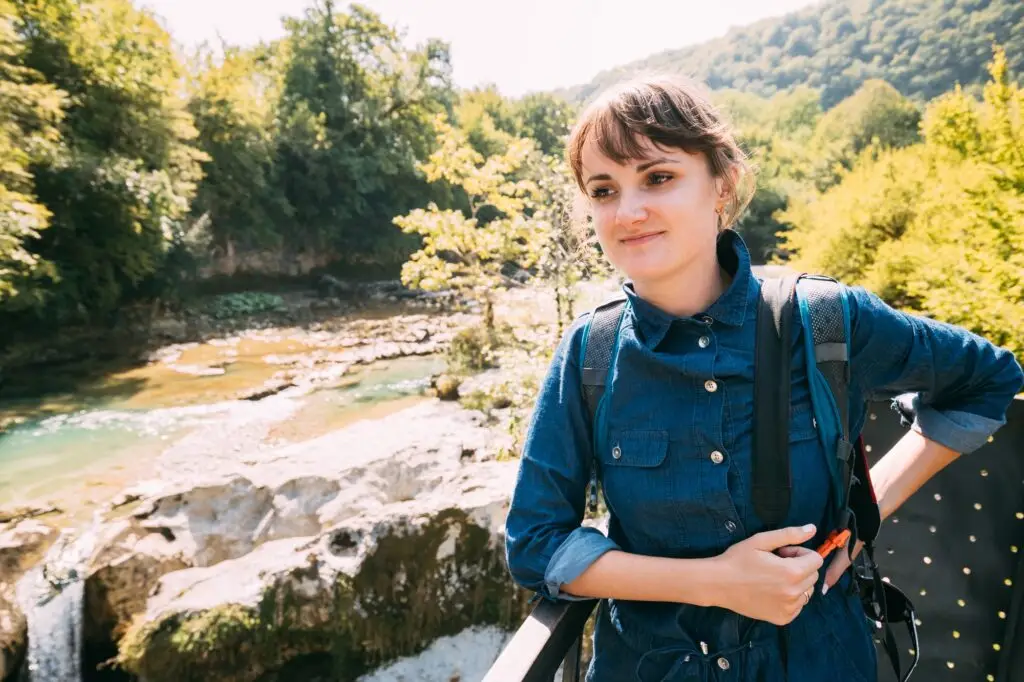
<point>126,173</point>
<point>467,253</point>
<point>776,133</point>
<point>472,349</point>
<point>874,115</point>
<point>228,306</point>
<point>937,227</point>
<point>233,102</point>
<point>490,122</point>
<point>30,112</point>
<point>921,47</point>
<point>355,117</point>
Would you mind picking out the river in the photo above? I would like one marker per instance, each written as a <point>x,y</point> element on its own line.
<point>75,450</point>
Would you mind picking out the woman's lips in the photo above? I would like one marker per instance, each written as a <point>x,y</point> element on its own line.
<point>641,239</point>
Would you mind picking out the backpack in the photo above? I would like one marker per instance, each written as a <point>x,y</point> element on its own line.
<point>825,319</point>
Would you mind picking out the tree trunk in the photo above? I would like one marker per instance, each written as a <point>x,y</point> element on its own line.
<point>488,314</point>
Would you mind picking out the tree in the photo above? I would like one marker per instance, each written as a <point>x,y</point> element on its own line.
<point>938,227</point>
<point>356,116</point>
<point>874,115</point>
<point>566,254</point>
<point>465,252</point>
<point>30,113</point>
<point>234,102</point>
<point>546,119</point>
<point>129,171</point>
<point>921,47</point>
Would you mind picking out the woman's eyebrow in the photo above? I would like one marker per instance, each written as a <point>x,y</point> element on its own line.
<point>653,162</point>
<point>639,169</point>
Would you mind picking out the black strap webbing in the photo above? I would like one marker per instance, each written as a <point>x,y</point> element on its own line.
<point>599,350</point>
<point>597,358</point>
<point>772,371</point>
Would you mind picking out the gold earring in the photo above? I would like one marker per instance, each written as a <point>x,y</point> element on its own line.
<point>719,214</point>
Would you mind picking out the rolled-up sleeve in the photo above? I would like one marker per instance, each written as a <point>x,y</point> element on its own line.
<point>546,547</point>
<point>950,385</point>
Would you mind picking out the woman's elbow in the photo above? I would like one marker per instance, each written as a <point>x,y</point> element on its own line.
<point>524,565</point>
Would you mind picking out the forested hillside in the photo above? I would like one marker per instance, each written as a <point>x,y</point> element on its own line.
<point>921,47</point>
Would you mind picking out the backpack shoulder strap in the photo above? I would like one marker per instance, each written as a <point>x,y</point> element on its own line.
<point>825,316</point>
<point>824,307</point>
<point>600,341</point>
<point>772,378</point>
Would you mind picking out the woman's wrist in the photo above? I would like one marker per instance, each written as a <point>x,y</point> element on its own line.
<point>711,581</point>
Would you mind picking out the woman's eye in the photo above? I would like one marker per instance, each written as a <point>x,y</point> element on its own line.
<point>658,178</point>
<point>600,193</point>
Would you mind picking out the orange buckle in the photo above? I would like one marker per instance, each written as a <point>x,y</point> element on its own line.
<point>835,540</point>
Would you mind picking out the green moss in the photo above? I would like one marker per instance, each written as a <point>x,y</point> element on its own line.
<point>406,595</point>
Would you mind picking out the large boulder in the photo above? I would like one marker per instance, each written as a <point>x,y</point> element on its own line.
<point>22,545</point>
<point>337,554</point>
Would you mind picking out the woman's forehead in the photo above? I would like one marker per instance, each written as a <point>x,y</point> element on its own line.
<point>598,152</point>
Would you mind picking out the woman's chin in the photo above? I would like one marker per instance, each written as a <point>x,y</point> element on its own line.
<point>644,269</point>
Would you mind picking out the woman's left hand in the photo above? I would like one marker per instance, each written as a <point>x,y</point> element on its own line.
<point>841,561</point>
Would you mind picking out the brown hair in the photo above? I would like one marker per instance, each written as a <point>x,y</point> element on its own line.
<point>671,112</point>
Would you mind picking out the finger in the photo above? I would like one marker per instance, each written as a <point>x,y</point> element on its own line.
<point>809,582</point>
<point>790,552</point>
<point>809,562</point>
<point>793,551</point>
<point>774,539</point>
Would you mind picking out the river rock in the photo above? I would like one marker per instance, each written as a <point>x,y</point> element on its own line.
<point>345,551</point>
<point>22,545</point>
<point>447,387</point>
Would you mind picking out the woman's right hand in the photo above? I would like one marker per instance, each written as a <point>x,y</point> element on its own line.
<point>769,576</point>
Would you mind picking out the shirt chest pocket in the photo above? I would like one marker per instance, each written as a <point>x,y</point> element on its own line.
<point>653,487</point>
<point>634,473</point>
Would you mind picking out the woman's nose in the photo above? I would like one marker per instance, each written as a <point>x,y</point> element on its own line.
<point>631,210</point>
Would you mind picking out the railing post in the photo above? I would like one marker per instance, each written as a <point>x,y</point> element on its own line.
<point>571,663</point>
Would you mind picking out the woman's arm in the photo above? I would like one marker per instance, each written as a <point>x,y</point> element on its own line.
<point>545,545</point>
<point>768,576</point>
<point>550,552</point>
<point>951,386</point>
<point>621,575</point>
<point>901,472</point>
<point>904,469</point>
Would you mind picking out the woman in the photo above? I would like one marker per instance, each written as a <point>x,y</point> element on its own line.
<point>692,586</point>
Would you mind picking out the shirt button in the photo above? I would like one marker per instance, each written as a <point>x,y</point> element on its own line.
<point>710,385</point>
<point>723,664</point>
<point>703,342</point>
<point>616,452</point>
<point>706,319</point>
<point>730,526</point>
<point>717,457</point>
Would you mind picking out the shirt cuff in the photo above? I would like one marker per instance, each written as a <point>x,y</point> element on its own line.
<point>959,431</point>
<point>580,549</point>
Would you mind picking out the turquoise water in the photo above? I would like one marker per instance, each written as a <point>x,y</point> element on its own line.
<point>80,458</point>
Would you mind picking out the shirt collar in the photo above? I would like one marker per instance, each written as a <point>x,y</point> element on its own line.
<point>730,308</point>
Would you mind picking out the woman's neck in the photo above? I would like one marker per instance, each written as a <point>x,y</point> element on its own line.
<point>689,291</point>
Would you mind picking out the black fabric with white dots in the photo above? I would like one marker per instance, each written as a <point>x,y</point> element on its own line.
<point>957,549</point>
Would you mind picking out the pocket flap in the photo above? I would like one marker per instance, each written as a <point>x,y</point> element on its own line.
<point>636,448</point>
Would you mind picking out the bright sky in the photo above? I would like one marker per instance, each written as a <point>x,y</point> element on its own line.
<point>520,46</point>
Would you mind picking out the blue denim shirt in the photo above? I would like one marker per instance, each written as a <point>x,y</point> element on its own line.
<point>681,484</point>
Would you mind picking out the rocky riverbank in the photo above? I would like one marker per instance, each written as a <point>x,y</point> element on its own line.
<point>62,362</point>
<point>329,557</point>
<point>256,551</point>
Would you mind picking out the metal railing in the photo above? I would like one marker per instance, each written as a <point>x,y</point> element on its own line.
<point>550,637</point>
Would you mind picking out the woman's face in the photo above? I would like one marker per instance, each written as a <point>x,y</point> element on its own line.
<point>655,215</point>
